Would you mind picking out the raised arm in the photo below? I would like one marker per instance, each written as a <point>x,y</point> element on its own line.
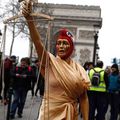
<point>35,36</point>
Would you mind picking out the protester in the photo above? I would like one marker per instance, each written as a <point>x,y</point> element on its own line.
<point>88,66</point>
<point>114,92</point>
<point>5,77</point>
<point>66,81</point>
<point>40,80</point>
<point>32,79</point>
<point>98,97</point>
<point>21,76</point>
<point>1,85</point>
<point>8,65</point>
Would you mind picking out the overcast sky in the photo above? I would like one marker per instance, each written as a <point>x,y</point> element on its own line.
<point>109,35</point>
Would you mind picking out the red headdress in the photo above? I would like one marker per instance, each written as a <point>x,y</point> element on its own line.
<point>65,34</point>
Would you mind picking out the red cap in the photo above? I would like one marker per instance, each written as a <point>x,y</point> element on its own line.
<point>65,34</point>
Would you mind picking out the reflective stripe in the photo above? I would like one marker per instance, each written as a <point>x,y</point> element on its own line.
<point>100,89</point>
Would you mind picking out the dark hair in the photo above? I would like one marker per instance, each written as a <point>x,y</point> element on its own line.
<point>90,63</point>
<point>99,64</point>
<point>23,59</point>
<point>27,60</point>
<point>36,61</point>
<point>86,64</point>
<point>13,57</point>
<point>115,66</point>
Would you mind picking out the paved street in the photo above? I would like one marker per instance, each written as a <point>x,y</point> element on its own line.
<point>30,110</point>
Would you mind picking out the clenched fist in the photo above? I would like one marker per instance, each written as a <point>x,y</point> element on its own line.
<point>26,8</point>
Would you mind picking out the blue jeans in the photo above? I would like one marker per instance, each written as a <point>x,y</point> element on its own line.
<point>19,98</point>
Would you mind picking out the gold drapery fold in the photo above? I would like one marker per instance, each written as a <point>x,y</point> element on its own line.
<point>60,108</point>
<point>70,77</point>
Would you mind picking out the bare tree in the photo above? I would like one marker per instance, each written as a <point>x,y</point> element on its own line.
<point>16,27</point>
<point>19,26</point>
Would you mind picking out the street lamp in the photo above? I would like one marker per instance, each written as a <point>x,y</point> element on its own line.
<point>0,36</point>
<point>0,47</point>
<point>95,47</point>
<point>0,33</point>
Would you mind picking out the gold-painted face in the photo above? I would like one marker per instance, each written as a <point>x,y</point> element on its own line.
<point>62,47</point>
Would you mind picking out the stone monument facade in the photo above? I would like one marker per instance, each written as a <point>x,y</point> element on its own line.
<point>82,21</point>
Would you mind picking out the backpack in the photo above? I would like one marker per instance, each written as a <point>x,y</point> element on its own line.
<point>96,78</point>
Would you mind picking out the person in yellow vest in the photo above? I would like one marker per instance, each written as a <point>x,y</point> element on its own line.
<point>97,94</point>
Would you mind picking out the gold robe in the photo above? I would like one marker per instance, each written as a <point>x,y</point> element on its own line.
<point>63,88</point>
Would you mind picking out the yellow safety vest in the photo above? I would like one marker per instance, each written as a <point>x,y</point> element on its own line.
<point>102,85</point>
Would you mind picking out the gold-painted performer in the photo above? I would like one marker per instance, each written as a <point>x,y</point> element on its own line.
<point>67,83</point>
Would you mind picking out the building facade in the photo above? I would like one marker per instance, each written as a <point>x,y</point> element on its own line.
<point>82,21</point>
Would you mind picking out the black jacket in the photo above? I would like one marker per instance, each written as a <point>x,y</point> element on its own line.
<point>22,77</point>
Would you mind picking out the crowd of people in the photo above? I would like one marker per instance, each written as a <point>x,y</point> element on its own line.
<point>105,93</point>
<point>20,77</point>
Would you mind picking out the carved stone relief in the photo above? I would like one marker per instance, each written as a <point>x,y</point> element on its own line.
<point>73,22</point>
<point>83,34</point>
<point>84,55</point>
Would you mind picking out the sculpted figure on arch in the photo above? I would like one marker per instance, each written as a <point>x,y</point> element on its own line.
<point>67,84</point>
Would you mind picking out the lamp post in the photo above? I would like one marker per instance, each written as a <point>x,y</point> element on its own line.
<point>0,47</point>
<point>95,47</point>
<point>0,39</point>
<point>0,35</point>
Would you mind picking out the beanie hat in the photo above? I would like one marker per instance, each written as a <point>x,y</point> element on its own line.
<point>114,66</point>
<point>65,34</point>
<point>13,57</point>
